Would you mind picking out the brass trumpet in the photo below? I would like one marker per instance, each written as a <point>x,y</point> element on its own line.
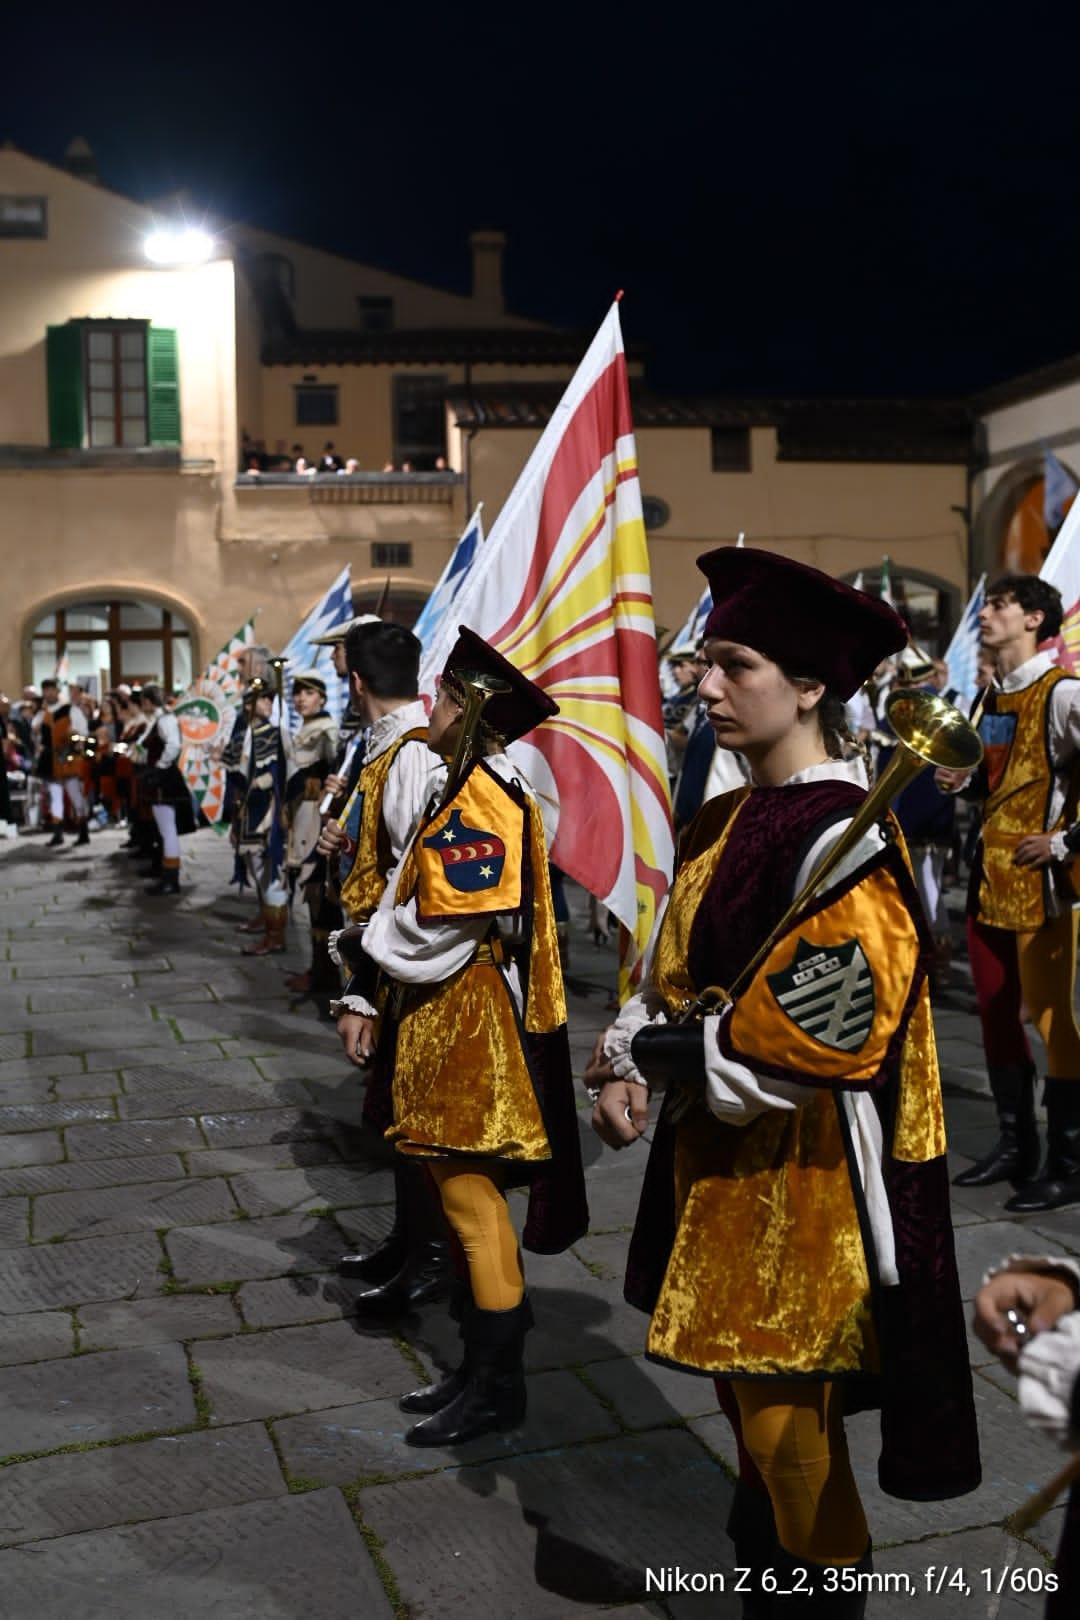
<point>929,732</point>
<point>477,689</point>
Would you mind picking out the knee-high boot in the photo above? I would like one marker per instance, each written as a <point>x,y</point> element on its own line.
<point>752,1529</point>
<point>1015,1156</point>
<point>423,1273</point>
<point>819,1591</point>
<point>1059,1183</point>
<point>386,1259</point>
<point>492,1396</point>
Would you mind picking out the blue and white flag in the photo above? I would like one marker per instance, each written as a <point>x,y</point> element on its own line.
<point>449,583</point>
<point>334,608</point>
<point>1059,488</point>
<point>688,636</point>
<point>962,655</point>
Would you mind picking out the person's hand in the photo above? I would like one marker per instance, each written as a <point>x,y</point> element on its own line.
<point>335,785</point>
<point>1034,850</point>
<point>598,1070</point>
<point>622,1113</point>
<point>1041,1298</point>
<point>950,781</point>
<point>357,1035</point>
<point>331,839</point>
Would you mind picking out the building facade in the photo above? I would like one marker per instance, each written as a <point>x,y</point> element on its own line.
<point>138,388</point>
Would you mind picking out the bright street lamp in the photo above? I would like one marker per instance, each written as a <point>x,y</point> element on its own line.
<point>178,244</point>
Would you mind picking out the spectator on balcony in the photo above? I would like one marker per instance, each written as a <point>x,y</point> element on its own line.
<point>441,464</point>
<point>350,467</point>
<point>329,461</point>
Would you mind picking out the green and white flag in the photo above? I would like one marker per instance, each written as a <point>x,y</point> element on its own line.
<point>206,713</point>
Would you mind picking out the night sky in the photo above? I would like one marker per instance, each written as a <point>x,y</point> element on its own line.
<point>803,199</point>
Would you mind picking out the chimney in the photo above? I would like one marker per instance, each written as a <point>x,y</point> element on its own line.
<point>487,290</point>
<point>80,161</point>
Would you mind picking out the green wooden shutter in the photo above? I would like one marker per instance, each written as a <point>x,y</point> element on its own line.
<point>163,374</point>
<point>64,366</point>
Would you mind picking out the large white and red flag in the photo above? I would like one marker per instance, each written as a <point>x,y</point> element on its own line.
<point>1062,568</point>
<point>561,587</point>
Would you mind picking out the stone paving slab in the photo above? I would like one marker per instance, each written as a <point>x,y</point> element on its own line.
<point>14,1222</point>
<point>147,1206</point>
<point>163,1320</point>
<point>75,1087</point>
<point>97,968</point>
<point>266,1125</point>
<point>978,1248</point>
<point>646,1396</point>
<point>32,1068</point>
<point>43,1116</point>
<point>969,1553</point>
<point>151,1479</point>
<point>265,1156</point>
<point>299,1369</point>
<point>129,1137</point>
<point>95,1397</point>
<point>205,1098</point>
<point>85,1173</point>
<point>172,1056</point>
<point>291,1558</point>
<point>553,1527</point>
<point>270,1191</point>
<point>270,1247</point>
<point>37,1336</point>
<point>288,1301</point>
<point>77,1273</point>
<point>41,1147</point>
<point>27,1091</point>
<point>368,1440</point>
<point>122,1028</point>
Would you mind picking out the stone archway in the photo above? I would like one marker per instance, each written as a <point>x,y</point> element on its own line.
<point>1010,533</point>
<point>109,635</point>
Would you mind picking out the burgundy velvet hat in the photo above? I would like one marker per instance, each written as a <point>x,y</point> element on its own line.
<point>803,619</point>
<point>511,713</point>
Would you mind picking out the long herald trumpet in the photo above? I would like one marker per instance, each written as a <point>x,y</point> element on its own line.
<point>929,732</point>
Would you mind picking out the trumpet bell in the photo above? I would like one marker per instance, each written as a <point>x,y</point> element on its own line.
<point>481,682</point>
<point>934,731</point>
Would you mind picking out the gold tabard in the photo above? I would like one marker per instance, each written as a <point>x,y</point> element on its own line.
<point>1021,777</point>
<point>362,889</point>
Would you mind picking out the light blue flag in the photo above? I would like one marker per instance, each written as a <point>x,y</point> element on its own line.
<point>334,608</point>
<point>963,650</point>
<point>1059,487</point>
<point>449,583</point>
<point>688,636</point>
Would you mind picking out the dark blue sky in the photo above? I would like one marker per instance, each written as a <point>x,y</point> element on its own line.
<point>814,199</point>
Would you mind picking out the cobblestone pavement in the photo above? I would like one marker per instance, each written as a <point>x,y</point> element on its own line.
<point>192,1423</point>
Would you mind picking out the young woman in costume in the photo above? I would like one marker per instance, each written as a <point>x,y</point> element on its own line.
<point>794,1238</point>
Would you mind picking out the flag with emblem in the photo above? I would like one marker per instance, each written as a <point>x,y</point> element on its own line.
<point>1062,568</point>
<point>449,583</point>
<point>205,715</point>
<point>469,854</point>
<point>333,608</point>
<point>828,991</point>
<point>561,587</point>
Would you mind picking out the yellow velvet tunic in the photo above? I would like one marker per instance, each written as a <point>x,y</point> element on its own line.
<point>362,889</point>
<point>463,1081</point>
<point>769,1273</point>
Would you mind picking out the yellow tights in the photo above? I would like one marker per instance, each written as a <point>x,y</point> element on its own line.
<point>475,1205</point>
<point>794,1431</point>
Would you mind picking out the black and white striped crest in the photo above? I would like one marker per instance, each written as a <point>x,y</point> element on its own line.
<point>828,990</point>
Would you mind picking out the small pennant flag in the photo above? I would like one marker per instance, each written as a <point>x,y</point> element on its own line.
<point>334,608</point>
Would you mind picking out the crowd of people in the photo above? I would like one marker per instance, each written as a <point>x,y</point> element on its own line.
<point>255,458</point>
<point>794,1238</point>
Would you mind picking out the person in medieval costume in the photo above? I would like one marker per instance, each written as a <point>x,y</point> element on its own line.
<point>1022,919</point>
<point>257,831</point>
<point>794,1239</point>
<point>61,731</point>
<point>398,776</point>
<point>475,1039</point>
<point>165,788</point>
<point>1028,1313</point>
<point>310,753</point>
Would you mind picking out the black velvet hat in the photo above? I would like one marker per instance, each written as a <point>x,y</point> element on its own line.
<point>512,713</point>
<point>804,620</point>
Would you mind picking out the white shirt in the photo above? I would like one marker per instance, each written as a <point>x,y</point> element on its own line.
<point>168,727</point>
<point>415,776</point>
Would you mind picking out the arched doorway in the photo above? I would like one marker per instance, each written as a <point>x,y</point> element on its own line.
<point>931,606</point>
<point>107,640</point>
<point>1011,532</point>
<point>395,601</point>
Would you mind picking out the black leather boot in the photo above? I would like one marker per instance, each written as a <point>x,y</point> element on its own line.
<point>415,1218</point>
<point>1015,1156</point>
<point>752,1529</point>
<point>820,1591</point>
<point>1059,1183</point>
<point>379,1264</point>
<point>492,1396</point>
<point>167,883</point>
<point>424,1276</point>
<point>84,833</point>
<point>56,840</point>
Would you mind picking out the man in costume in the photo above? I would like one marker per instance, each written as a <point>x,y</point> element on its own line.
<point>255,755</point>
<point>475,1039</point>
<point>62,730</point>
<point>1022,922</point>
<point>310,753</point>
<point>794,1238</point>
<point>393,787</point>
<point>165,789</point>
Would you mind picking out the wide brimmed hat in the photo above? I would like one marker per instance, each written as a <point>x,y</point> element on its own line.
<point>512,713</point>
<point>806,621</point>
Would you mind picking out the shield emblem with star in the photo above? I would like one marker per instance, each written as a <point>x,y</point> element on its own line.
<point>828,991</point>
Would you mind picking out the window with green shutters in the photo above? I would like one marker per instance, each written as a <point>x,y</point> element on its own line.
<point>112,385</point>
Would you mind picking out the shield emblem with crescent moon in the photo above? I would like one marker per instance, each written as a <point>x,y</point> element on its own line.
<point>472,860</point>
